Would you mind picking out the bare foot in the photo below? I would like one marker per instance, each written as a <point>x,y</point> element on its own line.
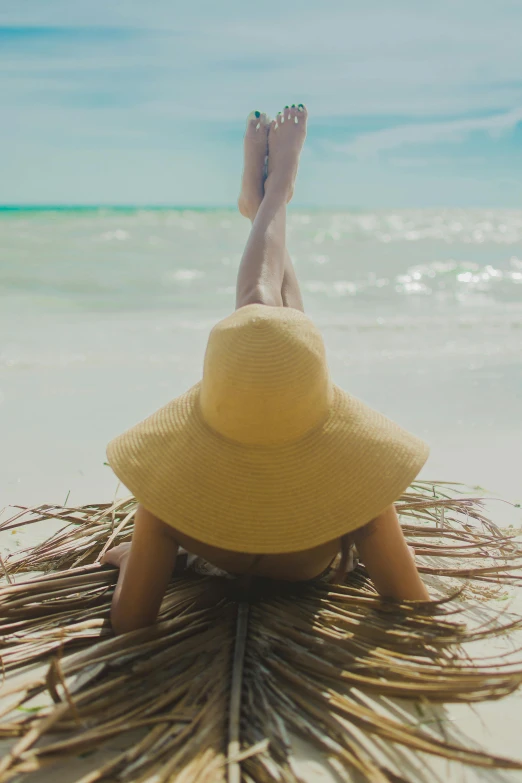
<point>256,150</point>
<point>285,141</point>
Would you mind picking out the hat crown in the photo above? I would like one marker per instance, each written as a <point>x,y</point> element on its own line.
<point>265,377</point>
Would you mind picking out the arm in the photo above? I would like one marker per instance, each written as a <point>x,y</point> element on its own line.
<point>146,567</point>
<point>384,552</point>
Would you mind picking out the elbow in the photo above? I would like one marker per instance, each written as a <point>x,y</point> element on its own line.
<point>121,625</point>
<point>125,622</point>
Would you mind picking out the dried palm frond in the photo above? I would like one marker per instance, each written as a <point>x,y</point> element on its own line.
<point>220,686</point>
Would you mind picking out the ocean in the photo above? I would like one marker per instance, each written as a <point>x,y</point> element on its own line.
<point>105,315</point>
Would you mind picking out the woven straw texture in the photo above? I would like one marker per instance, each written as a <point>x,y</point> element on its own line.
<point>266,455</point>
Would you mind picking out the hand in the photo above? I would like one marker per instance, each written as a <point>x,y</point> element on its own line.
<point>117,555</point>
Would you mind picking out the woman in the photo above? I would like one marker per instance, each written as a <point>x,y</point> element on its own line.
<point>265,467</point>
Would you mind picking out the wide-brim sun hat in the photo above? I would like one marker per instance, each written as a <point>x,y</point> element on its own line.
<point>266,454</point>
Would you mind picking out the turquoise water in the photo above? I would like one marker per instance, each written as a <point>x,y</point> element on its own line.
<point>105,314</point>
<point>124,259</point>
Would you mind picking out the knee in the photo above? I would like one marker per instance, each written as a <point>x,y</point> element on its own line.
<point>259,294</point>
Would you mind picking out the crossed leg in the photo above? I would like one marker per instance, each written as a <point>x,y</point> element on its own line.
<point>266,274</point>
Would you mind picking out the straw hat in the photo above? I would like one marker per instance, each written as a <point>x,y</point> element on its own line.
<point>266,454</point>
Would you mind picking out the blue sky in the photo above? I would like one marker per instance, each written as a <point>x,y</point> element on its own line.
<point>411,104</point>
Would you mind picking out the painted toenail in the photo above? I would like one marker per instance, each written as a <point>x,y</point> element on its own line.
<point>300,106</point>
<point>287,107</point>
<point>293,105</point>
<point>257,113</point>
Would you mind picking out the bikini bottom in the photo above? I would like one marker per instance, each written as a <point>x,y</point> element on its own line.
<point>199,565</point>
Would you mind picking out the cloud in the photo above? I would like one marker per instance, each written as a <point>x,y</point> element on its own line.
<point>430,161</point>
<point>107,91</point>
<point>343,60</point>
<point>367,145</point>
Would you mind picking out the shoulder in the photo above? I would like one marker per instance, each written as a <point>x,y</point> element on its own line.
<point>375,524</point>
<point>146,521</point>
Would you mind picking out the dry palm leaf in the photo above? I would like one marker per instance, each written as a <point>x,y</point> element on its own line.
<point>217,689</point>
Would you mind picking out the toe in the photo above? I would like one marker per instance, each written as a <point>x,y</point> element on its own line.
<point>254,119</point>
<point>257,125</point>
<point>264,122</point>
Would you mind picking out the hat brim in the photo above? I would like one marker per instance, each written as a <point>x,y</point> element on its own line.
<point>267,499</point>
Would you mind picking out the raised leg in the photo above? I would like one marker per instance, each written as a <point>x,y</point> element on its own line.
<point>290,291</point>
<point>260,275</point>
<point>266,274</point>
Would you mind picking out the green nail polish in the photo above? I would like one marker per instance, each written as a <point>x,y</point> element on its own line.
<point>287,107</point>
<point>293,105</point>
<point>257,113</point>
<point>300,106</point>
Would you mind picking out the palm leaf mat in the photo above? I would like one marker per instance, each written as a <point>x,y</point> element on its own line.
<point>224,680</point>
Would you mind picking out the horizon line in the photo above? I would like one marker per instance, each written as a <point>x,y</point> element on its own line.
<point>231,207</point>
<point>200,207</point>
